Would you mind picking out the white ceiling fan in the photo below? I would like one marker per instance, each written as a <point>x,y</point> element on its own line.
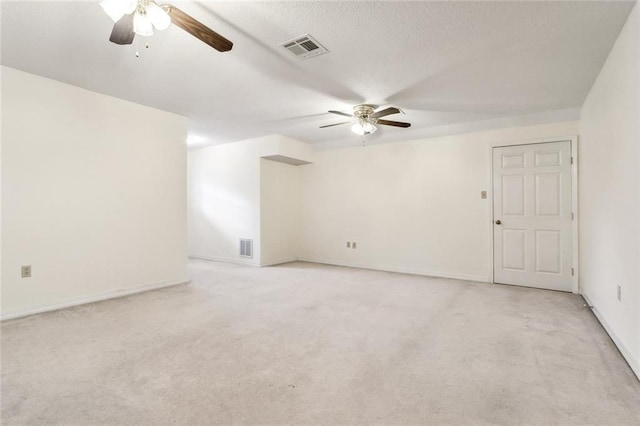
<point>139,17</point>
<point>365,119</point>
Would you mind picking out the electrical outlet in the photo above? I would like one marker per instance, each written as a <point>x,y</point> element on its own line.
<point>353,244</point>
<point>619,294</point>
<point>26,271</point>
<point>348,244</point>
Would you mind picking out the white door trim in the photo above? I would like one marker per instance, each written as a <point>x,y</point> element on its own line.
<point>575,281</point>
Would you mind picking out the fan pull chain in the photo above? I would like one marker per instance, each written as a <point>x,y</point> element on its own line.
<point>146,46</point>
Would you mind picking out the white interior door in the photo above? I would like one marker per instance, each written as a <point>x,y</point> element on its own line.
<point>532,241</point>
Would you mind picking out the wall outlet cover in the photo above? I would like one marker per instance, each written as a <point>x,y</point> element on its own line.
<point>26,271</point>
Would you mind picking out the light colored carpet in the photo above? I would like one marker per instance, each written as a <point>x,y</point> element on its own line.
<point>310,344</point>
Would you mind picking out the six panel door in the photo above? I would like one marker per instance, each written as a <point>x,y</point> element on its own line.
<point>532,230</point>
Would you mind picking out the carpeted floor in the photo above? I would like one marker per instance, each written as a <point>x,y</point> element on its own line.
<point>303,343</point>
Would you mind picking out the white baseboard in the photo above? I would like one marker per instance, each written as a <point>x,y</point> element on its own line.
<point>82,300</point>
<point>278,262</point>
<point>437,274</point>
<point>250,262</point>
<point>626,353</point>
<point>411,271</point>
<point>238,261</point>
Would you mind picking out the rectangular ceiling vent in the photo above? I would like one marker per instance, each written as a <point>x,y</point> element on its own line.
<point>246,247</point>
<point>305,47</point>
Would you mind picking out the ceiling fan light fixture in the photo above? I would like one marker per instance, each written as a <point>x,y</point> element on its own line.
<point>158,16</point>
<point>142,24</point>
<point>357,129</point>
<point>362,128</point>
<point>369,127</point>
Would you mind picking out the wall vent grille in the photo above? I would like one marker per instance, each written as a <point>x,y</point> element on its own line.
<point>246,247</point>
<point>305,47</point>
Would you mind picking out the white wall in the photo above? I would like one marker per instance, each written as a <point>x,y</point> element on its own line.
<point>93,195</point>
<point>224,201</point>
<point>412,206</point>
<point>610,192</point>
<point>234,194</point>
<point>280,206</point>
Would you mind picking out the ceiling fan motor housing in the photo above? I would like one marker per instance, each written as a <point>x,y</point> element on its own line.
<point>363,112</point>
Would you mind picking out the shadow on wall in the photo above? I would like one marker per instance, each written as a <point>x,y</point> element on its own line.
<point>215,206</point>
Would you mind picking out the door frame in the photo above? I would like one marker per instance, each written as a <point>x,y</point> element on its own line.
<point>575,279</point>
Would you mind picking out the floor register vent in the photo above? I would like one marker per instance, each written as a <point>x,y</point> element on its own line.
<point>246,247</point>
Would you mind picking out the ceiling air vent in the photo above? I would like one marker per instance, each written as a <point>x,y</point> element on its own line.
<point>305,47</point>
<point>246,248</point>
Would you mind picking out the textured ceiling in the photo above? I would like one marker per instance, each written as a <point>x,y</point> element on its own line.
<point>443,63</point>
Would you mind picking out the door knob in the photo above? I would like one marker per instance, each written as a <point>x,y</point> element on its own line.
<point>498,222</point>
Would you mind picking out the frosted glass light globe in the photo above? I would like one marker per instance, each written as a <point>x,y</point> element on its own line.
<point>159,18</point>
<point>142,25</point>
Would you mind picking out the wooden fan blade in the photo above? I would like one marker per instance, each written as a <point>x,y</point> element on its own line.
<point>393,123</point>
<point>336,124</point>
<point>384,112</point>
<point>197,29</point>
<point>123,30</point>
<point>341,113</point>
